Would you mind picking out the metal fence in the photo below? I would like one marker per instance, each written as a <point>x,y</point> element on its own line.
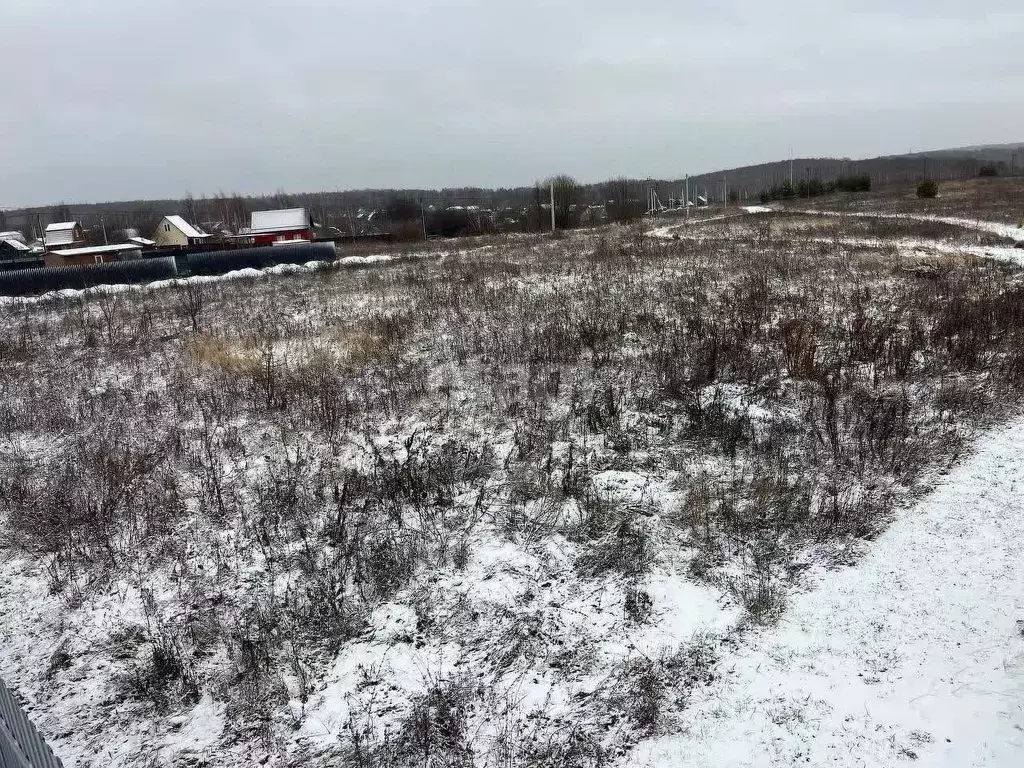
<point>21,746</point>
<point>28,281</point>
<point>24,282</point>
<point>219,262</point>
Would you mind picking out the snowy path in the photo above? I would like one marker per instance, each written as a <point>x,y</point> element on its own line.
<point>1002,252</point>
<point>915,652</point>
<point>995,227</point>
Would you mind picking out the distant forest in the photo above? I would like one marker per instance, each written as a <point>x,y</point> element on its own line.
<point>411,213</point>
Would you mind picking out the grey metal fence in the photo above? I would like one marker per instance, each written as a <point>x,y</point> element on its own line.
<point>27,281</point>
<point>219,262</point>
<point>23,282</point>
<point>21,746</point>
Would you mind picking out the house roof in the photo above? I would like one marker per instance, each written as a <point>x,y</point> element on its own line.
<point>91,249</point>
<point>15,244</point>
<point>143,241</point>
<point>184,227</point>
<point>276,221</point>
<point>60,233</point>
<point>12,235</point>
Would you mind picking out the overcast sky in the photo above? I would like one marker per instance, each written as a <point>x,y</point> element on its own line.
<point>124,99</point>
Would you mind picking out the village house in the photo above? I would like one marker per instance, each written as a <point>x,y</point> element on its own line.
<point>63,234</point>
<point>174,231</point>
<point>12,250</point>
<point>289,224</point>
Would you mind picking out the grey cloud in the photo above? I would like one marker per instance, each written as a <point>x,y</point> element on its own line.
<point>123,99</point>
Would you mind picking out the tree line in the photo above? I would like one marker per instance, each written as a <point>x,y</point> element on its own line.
<point>816,188</point>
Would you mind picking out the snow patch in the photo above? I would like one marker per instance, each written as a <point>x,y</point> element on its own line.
<point>916,652</point>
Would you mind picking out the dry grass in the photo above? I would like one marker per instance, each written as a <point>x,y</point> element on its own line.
<point>232,357</point>
<point>361,346</point>
<point>356,437</point>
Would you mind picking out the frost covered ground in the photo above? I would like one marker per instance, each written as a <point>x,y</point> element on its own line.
<point>916,653</point>
<point>579,502</point>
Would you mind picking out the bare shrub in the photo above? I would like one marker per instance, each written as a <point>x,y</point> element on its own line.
<point>90,505</point>
<point>645,687</point>
<point>435,730</point>
<point>191,300</point>
<point>574,746</point>
<point>627,548</point>
<point>761,594</point>
<point>637,605</point>
<point>162,678</point>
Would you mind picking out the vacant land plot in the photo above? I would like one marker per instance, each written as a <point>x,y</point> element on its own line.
<point>991,199</point>
<point>509,506</point>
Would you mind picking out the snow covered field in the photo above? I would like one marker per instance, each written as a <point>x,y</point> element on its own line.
<point>916,653</point>
<point>606,500</point>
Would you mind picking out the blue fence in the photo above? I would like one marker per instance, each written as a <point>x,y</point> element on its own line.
<point>21,746</point>
<point>219,262</point>
<point>41,279</point>
<point>25,282</point>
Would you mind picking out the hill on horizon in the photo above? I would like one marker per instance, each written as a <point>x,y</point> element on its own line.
<point>747,182</point>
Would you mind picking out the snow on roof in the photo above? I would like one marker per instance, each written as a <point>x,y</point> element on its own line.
<point>184,227</point>
<point>141,241</point>
<point>15,244</point>
<point>12,235</point>
<point>98,249</point>
<point>287,218</point>
<point>60,233</point>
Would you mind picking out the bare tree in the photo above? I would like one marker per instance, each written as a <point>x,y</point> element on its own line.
<point>191,300</point>
<point>623,200</point>
<point>567,196</point>
<point>188,208</point>
<point>60,212</point>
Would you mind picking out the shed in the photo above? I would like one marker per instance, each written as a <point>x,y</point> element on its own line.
<point>93,254</point>
<point>63,234</point>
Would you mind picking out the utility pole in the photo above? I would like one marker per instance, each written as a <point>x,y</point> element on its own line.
<point>552,205</point>
<point>790,166</point>
<point>423,219</point>
<point>687,199</point>
<point>103,226</point>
